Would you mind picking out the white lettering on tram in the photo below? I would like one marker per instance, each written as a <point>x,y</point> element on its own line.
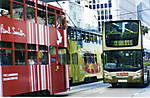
<point>11,76</point>
<point>11,30</point>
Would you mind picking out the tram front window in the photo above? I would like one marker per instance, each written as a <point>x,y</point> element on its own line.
<point>122,59</point>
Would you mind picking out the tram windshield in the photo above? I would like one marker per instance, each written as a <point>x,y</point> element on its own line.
<point>122,59</point>
<point>121,34</point>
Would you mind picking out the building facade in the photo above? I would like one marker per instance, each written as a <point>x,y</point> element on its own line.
<point>78,15</point>
<point>109,10</point>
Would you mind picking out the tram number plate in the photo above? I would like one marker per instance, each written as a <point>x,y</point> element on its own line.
<point>122,81</point>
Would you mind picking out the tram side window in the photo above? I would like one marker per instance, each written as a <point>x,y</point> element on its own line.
<point>62,56</point>
<point>5,57</point>
<point>74,58</point>
<point>58,22</point>
<point>52,50</point>
<point>20,0</point>
<point>43,55</point>
<point>41,17</point>
<point>32,57</point>
<point>51,20</point>
<point>18,11</point>
<point>90,58</point>
<point>20,57</point>
<point>30,14</point>
<point>63,21</point>
<point>5,8</point>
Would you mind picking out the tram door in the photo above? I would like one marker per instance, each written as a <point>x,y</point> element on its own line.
<point>58,61</point>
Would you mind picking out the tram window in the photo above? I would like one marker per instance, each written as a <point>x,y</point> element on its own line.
<point>31,47</point>
<point>30,13</point>
<point>18,11</point>
<point>20,57</point>
<point>5,57</point>
<point>41,7</point>
<point>51,9</point>
<point>20,0</point>
<point>41,17</point>
<point>57,11</point>
<point>62,56</point>
<point>63,22</point>
<point>30,3</point>
<point>5,6</point>
<point>53,60</point>
<point>43,47</point>
<point>52,50</point>
<point>43,56</point>
<point>51,20</point>
<point>19,46</point>
<point>58,22</point>
<point>32,57</point>
<point>90,58</point>
<point>74,58</point>
<point>5,45</point>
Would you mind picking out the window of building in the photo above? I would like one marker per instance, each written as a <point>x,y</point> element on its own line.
<point>102,17</point>
<point>98,6</point>
<point>93,6</point>
<point>94,1</point>
<point>102,6</point>
<point>86,5</point>
<point>90,6</point>
<point>98,17</point>
<point>105,5</point>
<point>110,4</point>
<point>18,11</point>
<point>102,12</point>
<point>110,16</point>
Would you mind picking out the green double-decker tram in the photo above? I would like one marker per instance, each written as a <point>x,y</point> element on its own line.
<point>126,55</point>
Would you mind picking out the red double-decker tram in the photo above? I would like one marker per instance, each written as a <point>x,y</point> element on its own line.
<point>33,48</point>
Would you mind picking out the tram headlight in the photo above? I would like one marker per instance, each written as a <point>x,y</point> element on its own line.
<point>107,75</point>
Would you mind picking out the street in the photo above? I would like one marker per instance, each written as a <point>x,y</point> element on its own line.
<point>99,89</point>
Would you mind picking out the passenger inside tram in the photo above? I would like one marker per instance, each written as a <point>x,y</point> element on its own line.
<point>4,13</point>
<point>30,18</point>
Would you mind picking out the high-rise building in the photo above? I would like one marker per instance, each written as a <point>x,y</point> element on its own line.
<point>143,10</point>
<point>109,10</point>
